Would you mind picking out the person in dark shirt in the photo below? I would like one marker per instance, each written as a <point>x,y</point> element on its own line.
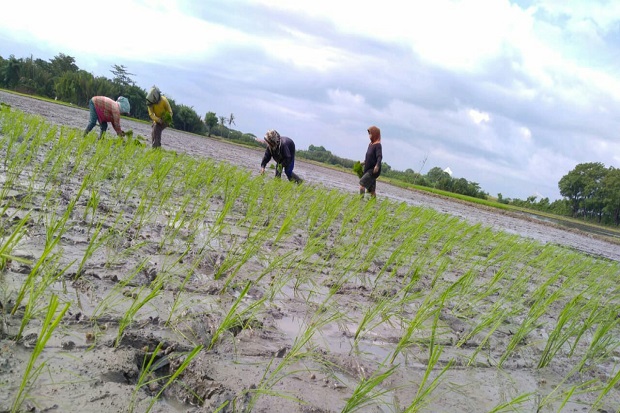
<point>372,163</point>
<point>282,150</point>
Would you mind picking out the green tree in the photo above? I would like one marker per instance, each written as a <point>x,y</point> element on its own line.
<point>11,72</point>
<point>186,119</point>
<point>63,63</point>
<point>137,101</point>
<point>611,185</point>
<point>210,121</point>
<point>582,187</point>
<point>122,76</point>
<point>435,175</point>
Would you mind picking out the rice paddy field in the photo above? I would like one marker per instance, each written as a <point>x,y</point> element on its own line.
<point>181,280</point>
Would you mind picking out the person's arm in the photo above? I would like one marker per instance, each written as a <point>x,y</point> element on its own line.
<point>116,119</point>
<point>116,124</point>
<point>265,161</point>
<point>152,114</point>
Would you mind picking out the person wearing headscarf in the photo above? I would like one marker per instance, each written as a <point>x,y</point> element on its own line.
<point>104,110</point>
<point>160,113</point>
<point>282,150</point>
<point>372,163</point>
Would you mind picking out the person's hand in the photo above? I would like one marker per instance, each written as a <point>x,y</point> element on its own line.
<point>122,133</point>
<point>376,169</point>
<point>262,171</point>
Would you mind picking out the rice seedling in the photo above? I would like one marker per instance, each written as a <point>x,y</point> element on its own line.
<point>49,325</point>
<point>365,393</point>
<point>237,318</point>
<point>10,243</point>
<point>513,405</point>
<point>427,309</point>
<point>147,375</point>
<point>426,385</point>
<point>301,348</point>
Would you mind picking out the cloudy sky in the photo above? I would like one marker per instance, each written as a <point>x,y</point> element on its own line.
<point>509,94</point>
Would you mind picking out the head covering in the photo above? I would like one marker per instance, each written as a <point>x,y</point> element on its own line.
<point>272,137</point>
<point>154,96</point>
<point>375,134</point>
<point>123,104</point>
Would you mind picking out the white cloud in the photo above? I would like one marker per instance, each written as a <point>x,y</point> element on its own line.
<point>479,117</point>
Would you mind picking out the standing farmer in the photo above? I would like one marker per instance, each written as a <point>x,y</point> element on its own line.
<point>104,110</point>
<point>160,113</point>
<point>372,163</point>
<point>282,150</point>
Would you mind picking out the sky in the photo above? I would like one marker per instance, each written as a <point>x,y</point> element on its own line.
<point>511,95</point>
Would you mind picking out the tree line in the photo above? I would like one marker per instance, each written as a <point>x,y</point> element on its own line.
<point>61,79</point>
<point>591,191</point>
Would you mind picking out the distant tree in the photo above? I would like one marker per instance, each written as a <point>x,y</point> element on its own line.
<point>63,63</point>
<point>611,183</point>
<point>231,120</point>
<point>436,174</point>
<point>137,97</point>
<point>11,72</point>
<point>210,121</point>
<point>582,184</point>
<point>185,118</point>
<point>223,127</point>
<point>122,75</point>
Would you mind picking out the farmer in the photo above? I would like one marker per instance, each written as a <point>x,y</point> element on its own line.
<point>104,110</point>
<point>282,150</point>
<point>160,113</point>
<point>372,163</point>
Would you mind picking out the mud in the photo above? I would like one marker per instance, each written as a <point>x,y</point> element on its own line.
<point>88,371</point>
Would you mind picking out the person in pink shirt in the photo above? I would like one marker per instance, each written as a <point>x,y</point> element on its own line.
<point>104,110</point>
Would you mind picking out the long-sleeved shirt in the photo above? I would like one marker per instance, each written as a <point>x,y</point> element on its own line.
<point>157,110</point>
<point>374,156</point>
<point>108,111</point>
<point>284,154</point>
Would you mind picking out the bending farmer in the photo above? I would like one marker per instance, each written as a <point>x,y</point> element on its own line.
<point>104,110</point>
<point>160,113</point>
<point>282,150</point>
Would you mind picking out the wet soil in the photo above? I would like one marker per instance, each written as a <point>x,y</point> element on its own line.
<point>88,371</point>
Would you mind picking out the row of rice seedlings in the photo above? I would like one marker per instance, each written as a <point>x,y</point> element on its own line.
<point>46,269</point>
